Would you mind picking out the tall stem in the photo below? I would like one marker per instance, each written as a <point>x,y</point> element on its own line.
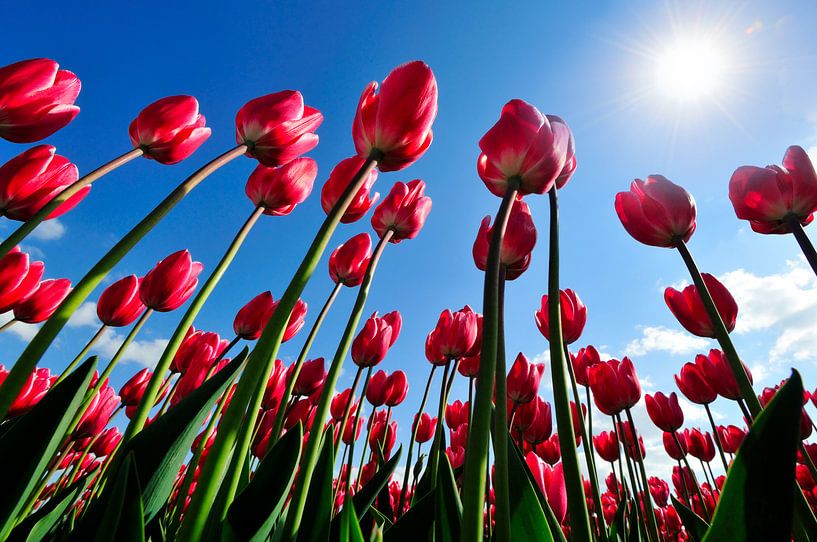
<point>28,226</point>
<point>347,410</point>
<point>404,487</point>
<point>633,485</point>
<point>368,436</point>
<point>803,241</point>
<point>717,438</point>
<point>434,455</point>
<point>48,332</point>
<point>121,351</point>
<point>691,473</point>
<point>501,474</point>
<point>354,430</point>
<point>652,523</point>
<point>71,366</point>
<point>479,433</point>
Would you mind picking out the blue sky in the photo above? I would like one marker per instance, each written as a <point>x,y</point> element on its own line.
<point>592,64</point>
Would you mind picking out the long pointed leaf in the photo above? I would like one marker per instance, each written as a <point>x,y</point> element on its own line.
<point>123,517</point>
<point>695,525</point>
<point>38,525</point>
<point>315,528</point>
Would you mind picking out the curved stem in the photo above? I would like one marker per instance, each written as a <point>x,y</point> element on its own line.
<point>27,361</point>
<point>82,354</point>
<point>501,475</point>
<point>40,216</point>
<point>368,436</point>
<point>651,521</point>
<point>348,410</point>
<point>404,487</point>
<point>354,430</point>
<point>717,438</point>
<point>120,351</point>
<point>802,239</point>
<point>633,485</point>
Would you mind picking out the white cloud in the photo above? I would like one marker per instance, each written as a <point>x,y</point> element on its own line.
<point>663,339</point>
<point>85,316</point>
<point>145,353</point>
<point>812,152</point>
<point>50,230</point>
<point>22,331</point>
<point>542,357</point>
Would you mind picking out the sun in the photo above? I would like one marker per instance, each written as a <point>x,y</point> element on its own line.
<point>690,69</point>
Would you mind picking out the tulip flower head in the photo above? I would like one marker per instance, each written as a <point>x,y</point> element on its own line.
<point>582,361</point>
<point>296,319</point>
<point>551,482</point>
<point>615,385</point>
<point>425,429</point>
<point>41,304</point>
<point>403,211</point>
<point>169,130</point>
<point>396,388</point>
<point>664,411</point>
<point>339,179</point>
<point>349,262</point>
<point>517,243</point>
<point>456,414</point>
<point>310,378</point>
<point>606,444</point>
<point>731,437</point>
<point>453,337</point>
<point>376,389</point>
<point>657,212</point>
<point>688,308</point>
<point>36,386</point>
<point>549,450</point>
<point>394,124</point>
<point>279,189</point>
<point>676,450</point>
<point>573,316</point>
<point>168,285</point>
<point>717,371</point>
<point>252,318</point>
<point>694,384</point>
<point>119,304</point>
<point>700,445</point>
<point>378,335</point>
<point>523,379</point>
<point>19,277</point>
<point>276,386</point>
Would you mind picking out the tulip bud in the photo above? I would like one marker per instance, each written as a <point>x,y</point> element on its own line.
<point>339,404</point>
<point>573,316</point>
<point>582,361</point>
<point>296,319</point>
<point>403,211</point>
<point>523,379</point>
<point>132,391</point>
<point>278,190</point>
<point>549,450</point>
<point>456,414</point>
<point>731,437</point>
<point>171,282</point>
<point>615,385</point>
<point>517,243</point>
<point>676,450</point>
<point>688,308</point>
<point>339,179</point>
<point>99,411</point>
<point>425,429</point>
<point>349,262</point>
<point>700,445</point>
<point>252,318</point>
<point>657,212</point>
<point>276,386</point>
<point>310,378</point>
<point>396,388</point>
<point>169,130</point>
<point>41,304</point>
<point>18,278</point>
<point>373,342</point>
<point>664,411</point>
<point>606,444</point>
<point>551,482</point>
<point>453,337</point>
<point>718,373</point>
<point>119,305</point>
<point>376,389</point>
<point>36,386</point>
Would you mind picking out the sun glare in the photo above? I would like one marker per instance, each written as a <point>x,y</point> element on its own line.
<point>690,69</point>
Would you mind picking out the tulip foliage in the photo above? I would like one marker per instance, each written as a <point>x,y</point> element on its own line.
<point>223,440</point>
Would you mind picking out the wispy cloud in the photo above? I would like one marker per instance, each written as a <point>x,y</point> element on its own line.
<point>663,339</point>
<point>50,230</point>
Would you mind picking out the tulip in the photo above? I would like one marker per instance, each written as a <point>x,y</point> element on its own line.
<point>456,456</point>
<point>296,319</point>
<point>32,178</point>
<point>683,480</point>
<point>534,149</point>
<point>18,278</point>
<point>573,316</point>
<point>676,450</point>
<point>339,180</point>
<point>199,348</point>
<point>131,391</point>
<point>615,385</point>
<point>469,366</point>
<point>383,437</point>
<point>771,197</point>
<point>396,388</point>
<point>35,388</point>
<point>522,417</point>
<point>403,211</point>
<point>541,426</point>
<point>394,124</point>
<point>252,318</point>
<point>96,416</point>
<point>279,189</point>
<point>664,411</point>
<point>425,429</point>
<point>805,422</point>
<point>659,490</point>
<point>119,304</point>
<point>348,262</point>
<point>718,373</point>
<point>374,340</point>
<point>194,376</point>
<point>731,437</point>
<point>453,337</point>
<point>347,436</point>
<point>549,450</point>
<point>517,243</point>
<point>299,413</point>
<point>523,379</point>
<point>551,482</point>
<point>107,442</point>
<point>606,444</point>
<point>582,361</point>
<point>376,389</point>
<point>171,282</point>
<point>700,445</point>
<point>694,384</point>
<point>456,414</point>
<point>310,378</point>
<point>36,99</point>
<point>41,304</point>
<point>169,130</point>
<point>688,308</point>
<point>657,212</point>
<point>276,385</point>
<point>277,128</point>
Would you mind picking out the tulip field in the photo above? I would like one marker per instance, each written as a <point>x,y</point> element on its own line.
<point>226,439</point>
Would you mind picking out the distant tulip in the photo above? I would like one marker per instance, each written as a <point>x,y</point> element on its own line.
<point>373,341</point>
<point>95,418</point>
<point>456,414</point>
<point>664,411</point>
<point>453,337</point>
<point>615,385</point>
<point>731,437</point>
<point>310,378</point>
<point>671,447</point>
<point>33,178</point>
<point>683,480</point>
<point>170,129</point>
<point>383,437</point>
<point>606,444</point>
<point>119,304</point>
<point>403,211</point>
<point>573,316</point>
<point>395,123</point>
<point>694,384</point>
<point>198,349</point>
<point>36,386</point>
<point>700,445</point>
<point>350,432</point>
<point>551,481</point>
<point>541,427</point>
<point>277,128</point>
<point>299,413</point>
<point>659,490</point>
<point>194,376</point>
<point>523,379</point>
<point>456,456</point>
<point>469,366</point>
<point>517,243</point>
<point>688,308</point>
<point>252,318</point>
<point>768,394</point>
<point>396,388</point>
<point>41,304</point>
<point>131,392</point>
<point>339,404</point>
<point>36,99</point>
<point>535,149</point>
<point>279,189</point>
<point>376,389</point>
<point>549,450</point>
<point>582,361</point>
<point>337,182</point>
<point>348,262</point>
<point>426,428</point>
<point>276,384</point>
<point>107,442</point>
<point>19,277</point>
<point>768,197</point>
<point>657,212</point>
<point>168,285</point>
<point>719,374</point>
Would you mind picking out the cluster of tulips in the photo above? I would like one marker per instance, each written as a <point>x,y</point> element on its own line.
<point>248,447</point>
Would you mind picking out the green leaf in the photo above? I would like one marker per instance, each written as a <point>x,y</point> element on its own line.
<point>757,498</point>
<point>448,509</point>
<point>416,524</point>
<point>255,510</point>
<point>349,526</point>
<point>28,446</point>
<point>695,525</point>
<point>123,517</point>
<point>319,503</point>
<point>528,520</point>
<point>42,522</point>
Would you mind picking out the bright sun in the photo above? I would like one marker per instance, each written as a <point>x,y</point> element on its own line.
<point>690,69</point>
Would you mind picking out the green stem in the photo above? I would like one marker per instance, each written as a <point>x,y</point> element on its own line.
<point>633,485</point>
<point>27,361</point>
<point>479,433</point>
<point>82,354</point>
<point>250,389</point>
<point>40,216</point>
<point>119,353</point>
<point>434,455</point>
<point>576,504</point>
<point>354,431</point>
<point>651,522</point>
<point>348,409</point>
<point>803,240</point>
<point>501,475</point>
<point>404,487</point>
<point>8,325</point>
<point>717,438</point>
<point>366,440</point>
<point>694,478</point>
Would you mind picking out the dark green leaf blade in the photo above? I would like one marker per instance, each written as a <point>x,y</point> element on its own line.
<point>122,519</point>
<point>319,501</point>
<point>695,525</point>
<point>528,520</point>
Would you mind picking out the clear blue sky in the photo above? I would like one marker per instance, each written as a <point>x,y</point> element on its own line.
<point>594,65</point>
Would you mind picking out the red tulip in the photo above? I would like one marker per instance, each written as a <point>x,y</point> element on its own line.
<point>582,361</point>
<point>337,182</point>
<point>99,411</point>
<point>573,316</point>
<point>168,285</point>
<point>310,378</point>
<point>277,128</point>
<point>700,445</point>
<point>119,305</point>
<point>36,99</point>
<point>664,411</point>
<point>523,416</point>
<point>768,197</point>
<point>33,178</point>
<point>659,490</point>
<point>296,319</point>
<point>403,211</point>
<point>517,243</point>
<point>456,456</point>
<point>396,388</point>
<point>683,480</point>
<point>694,384</point>
<point>805,422</point>
<point>549,450</point>
<point>688,308</point>
<point>453,337</point>
<point>719,374</point>
<point>349,262</point>
<point>41,304</point>
<point>373,341</point>
<point>541,426</point>
<point>299,413</point>
<point>198,349</point>
<point>350,432</point>
<point>18,278</point>
<point>535,149</point>
<point>657,212</point>
<point>523,379</point>
<point>376,389</point>
<point>383,437</point>
<point>615,385</point>
<point>279,189</point>
<point>37,385</point>
<point>339,404</point>
<point>606,444</point>
<point>469,366</point>
<point>731,437</point>
<point>252,318</point>
<point>169,130</point>
<point>551,481</point>
<point>426,428</point>
<point>671,447</point>
<point>194,376</point>
<point>456,414</point>
<point>107,442</point>
<point>276,386</point>
<point>395,123</point>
